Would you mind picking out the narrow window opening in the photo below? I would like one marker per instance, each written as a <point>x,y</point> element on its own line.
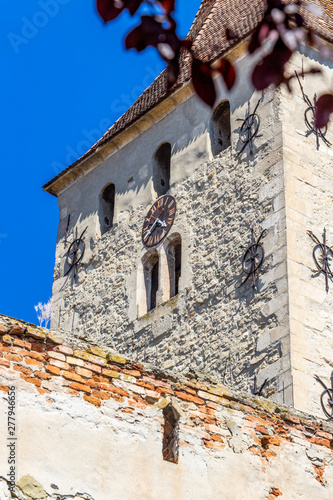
<point>151,281</point>
<point>174,265</point>
<point>220,128</point>
<point>170,434</point>
<point>107,207</point>
<point>161,174</point>
<point>154,285</point>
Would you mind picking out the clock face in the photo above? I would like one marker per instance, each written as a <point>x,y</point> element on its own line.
<point>159,220</point>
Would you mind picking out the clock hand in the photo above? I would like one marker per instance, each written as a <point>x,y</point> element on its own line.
<point>161,222</point>
<point>150,230</point>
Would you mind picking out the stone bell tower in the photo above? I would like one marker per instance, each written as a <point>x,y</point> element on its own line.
<point>224,283</point>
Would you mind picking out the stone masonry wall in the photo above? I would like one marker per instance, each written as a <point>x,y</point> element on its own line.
<point>309,207</point>
<point>211,325</point>
<point>91,421</point>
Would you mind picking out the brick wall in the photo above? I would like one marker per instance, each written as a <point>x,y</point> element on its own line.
<point>214,423</point>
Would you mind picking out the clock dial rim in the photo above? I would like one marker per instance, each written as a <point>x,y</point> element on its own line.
<point>149,243</point>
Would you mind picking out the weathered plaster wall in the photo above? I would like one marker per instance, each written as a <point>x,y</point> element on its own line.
<point>211,324</point>
<point>309,197</point>
<point>91,422</point>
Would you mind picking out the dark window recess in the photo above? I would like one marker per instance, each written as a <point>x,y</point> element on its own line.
<point>220,128</point>
<point>161,174</point>
<point>107,207</point>
<point>175,266</point>
<point>170,434</point>
<point>154,285</point>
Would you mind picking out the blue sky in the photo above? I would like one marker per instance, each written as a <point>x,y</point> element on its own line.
<point>66,79</point>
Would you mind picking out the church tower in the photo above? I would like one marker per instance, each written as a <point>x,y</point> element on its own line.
<point>183,236</point>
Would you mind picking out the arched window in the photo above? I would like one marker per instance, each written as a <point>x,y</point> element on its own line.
<point>107,207</point>
<point>174,255</point>
<point>220,132</point>
<point>151,280</point>
<point>161,173</point>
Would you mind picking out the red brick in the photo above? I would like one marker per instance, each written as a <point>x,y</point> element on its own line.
<point>115,390</point>
<point>215,437</point>
<point>80,387</point>
<point>258,420</point>
<point>42,375</point>
<point>323,442</point>
<point>59,364</point>
<point>3,329</point>
<point>5,362</point>
<point>290,418</point>
<point>4,388</point>
<point>31,380</point>
<point>210,420</point>
<point>22,343</point>
<point>190,391</point>
<point>270,440</point>
<point>73,376</point>
<point>52,369</point>
<point>92,400</point>
<point>101,394</point>
<point>94,384</point>
<point>33,362</point>
<point>22,369</point>
<point>164,390</point>
<point>325,435</point>
<point>64,350</point>
<point>37,356</point>
<point>101,378</point>
<point>137,405</point>
<point>92,367</point>
<point>275,492</point>
<point>72,392</point>
<point>4,348</point>
<point>132,373</point>
<point>43,391</point>
<point>13,357</point>
<point>117,398</point>
<point>189,397</point>
<point>17,329</point>
<point>83,372</point>
<point>213,445</point>
<point>37,347</point>
<point>20,351</point>
<point>268,454</point>
<point>146,385</point>
<point>254,450</point>
<point>262,430</point>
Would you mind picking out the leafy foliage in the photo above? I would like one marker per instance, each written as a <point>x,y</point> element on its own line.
<point>276,38</point>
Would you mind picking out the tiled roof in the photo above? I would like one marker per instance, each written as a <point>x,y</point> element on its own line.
<point>210,42</point>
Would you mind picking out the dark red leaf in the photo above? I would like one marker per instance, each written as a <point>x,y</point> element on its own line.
<point>110,9</point>
<point>151,32</point>
<point>168,5</point>
<point>324,108</point>
<point>203,82</point>
<point>271,69</point>
<point>227,70</point>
